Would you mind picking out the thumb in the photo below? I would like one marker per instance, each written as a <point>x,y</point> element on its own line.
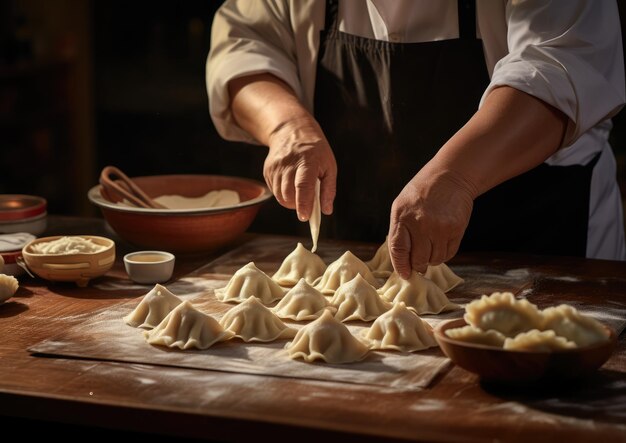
<point>400,250</point>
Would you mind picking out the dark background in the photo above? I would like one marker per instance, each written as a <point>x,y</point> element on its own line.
<point>86,83</point>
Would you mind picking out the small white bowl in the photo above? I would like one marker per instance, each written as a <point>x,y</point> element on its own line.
<point>149,267</point>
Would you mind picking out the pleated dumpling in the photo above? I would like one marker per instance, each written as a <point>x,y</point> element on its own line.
<point>249,281</point>
<point>326,339</point>
<point>8,285</point>
<point>153,308</point>
<point>251,321</point>
<point>504,313</point>
<point>341,271</point>
<point>474,335</point>
<point>567,322</point>
<point>417,292</point>
<point>186,327</point>
<point>300,263</point>
<point>538,341</point>
<point>443,277</point>
<point>400,329</point>
<point>380,264</point>
<point>302,303</point>
<point>358,300</point>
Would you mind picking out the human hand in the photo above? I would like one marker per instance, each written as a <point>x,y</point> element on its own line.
<point>298,155</point>
<point>428,220</point>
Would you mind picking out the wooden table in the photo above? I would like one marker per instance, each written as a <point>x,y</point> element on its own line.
<point>35,391</point>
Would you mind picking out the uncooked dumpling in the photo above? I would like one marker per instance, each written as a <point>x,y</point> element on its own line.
<point>8,287</point>
<point>186,327</point>
<point>249,281</point>
<point>400,329</point>
<point>537,341</point>
<point>567,322</point>
<point>472,334</point>
<point>302,302</point>
<point>341,271</point>
<point>301,263</point>
<point>153,308</point>
<point>418,293</point>
<point>381,265</point>
<point>443,277</point>
<point>326,339</point>
<point>251,321</point>
<point>504,313</point>
<point>358,300</point>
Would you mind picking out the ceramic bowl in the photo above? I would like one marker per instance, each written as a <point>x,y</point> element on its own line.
<point>149,267</point>
<point>497,365</point>
<point>22,213</point>
<point>183,230</point>
<point>78,268</point>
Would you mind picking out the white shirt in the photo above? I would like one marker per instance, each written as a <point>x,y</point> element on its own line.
<point>553,50</point>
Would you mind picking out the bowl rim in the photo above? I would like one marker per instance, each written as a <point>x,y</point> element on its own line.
<point>440,335</point>
<point>32,206</point>
<point>110,245</point>
<point>96,198</point>
<point>167,258</point>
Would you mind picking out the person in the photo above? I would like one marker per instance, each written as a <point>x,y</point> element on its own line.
<point>446,124</point>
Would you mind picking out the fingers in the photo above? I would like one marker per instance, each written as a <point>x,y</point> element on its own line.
<point>420,253</point>
<point>328,190</point>
<point>288,191</point>
<point>438,252</point>
<point>400,249</point>
<point>305,192</point>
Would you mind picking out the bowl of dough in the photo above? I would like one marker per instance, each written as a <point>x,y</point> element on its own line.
<point>198,213</point>
<point>509,340</point>
<point>69,258</point>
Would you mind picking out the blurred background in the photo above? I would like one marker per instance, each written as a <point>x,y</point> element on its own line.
<point>85,84</point>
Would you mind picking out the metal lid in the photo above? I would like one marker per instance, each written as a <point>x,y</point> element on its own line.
<point>19,207</point>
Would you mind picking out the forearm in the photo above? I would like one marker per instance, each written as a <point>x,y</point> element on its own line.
<point>512,133</point>
<point>262,104</point>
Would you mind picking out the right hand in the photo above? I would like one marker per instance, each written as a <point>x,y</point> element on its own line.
<point>298,155</point>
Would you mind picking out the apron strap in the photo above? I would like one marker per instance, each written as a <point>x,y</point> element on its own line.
<point>467,19</point>
<point>330,18</point>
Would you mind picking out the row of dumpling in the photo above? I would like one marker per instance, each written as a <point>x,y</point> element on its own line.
<point>502,321</point>
<point>348,281</point>
<point>175,323</point>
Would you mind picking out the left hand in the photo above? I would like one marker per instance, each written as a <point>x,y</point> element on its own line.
<point>428,220</point>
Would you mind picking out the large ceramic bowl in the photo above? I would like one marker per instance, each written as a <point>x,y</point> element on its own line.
<point>497,365</point>
<point>184,231</point>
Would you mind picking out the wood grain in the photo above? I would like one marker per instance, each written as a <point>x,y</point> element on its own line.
<point>225,406</point>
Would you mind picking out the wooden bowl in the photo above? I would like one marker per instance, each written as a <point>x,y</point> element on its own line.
<point>184,230</point>
<point>78,268</point>
<point>497,365</point>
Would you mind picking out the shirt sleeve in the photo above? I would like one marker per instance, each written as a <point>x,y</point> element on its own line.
<point>248,37</point>
<point>567,53</point>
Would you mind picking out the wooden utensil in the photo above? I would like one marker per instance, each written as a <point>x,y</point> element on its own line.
<point>124,187</point>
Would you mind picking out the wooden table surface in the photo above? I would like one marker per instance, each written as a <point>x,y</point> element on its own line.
<point>226,406</point>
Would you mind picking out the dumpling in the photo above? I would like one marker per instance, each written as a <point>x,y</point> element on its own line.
<point>302,302</point>
<point>251,321</point>
<point>400,329</point>
<point>358,300</point>
<point>472,334</point>
<point>326,339</point>
<point>301,263</point>
<point>567,322</point>
<point>504,313</point>
<point>537,341</point>
<point>443,277</point>
<point>341,271</point>
<point>186,327</point>
<point>249,281</point>
<point>8,287</point>
<point>417,292</point>
<point>381,265</point>
<point>153,308</point>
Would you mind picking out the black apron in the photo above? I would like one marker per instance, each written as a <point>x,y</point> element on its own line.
<point>386,109</point>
